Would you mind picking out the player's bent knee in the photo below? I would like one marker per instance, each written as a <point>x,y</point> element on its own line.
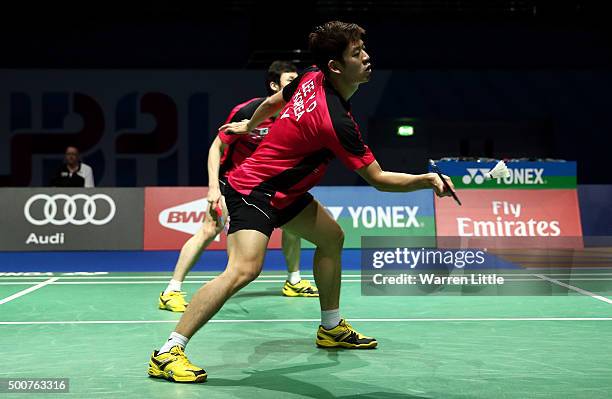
<point>209,233</point>
<point>334,238</point>
<point>244,274</point>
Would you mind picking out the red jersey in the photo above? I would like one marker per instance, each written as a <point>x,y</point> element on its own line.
<point>315,126</point>
<point>241,146</point>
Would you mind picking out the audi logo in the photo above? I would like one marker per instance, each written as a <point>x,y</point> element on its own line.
<point>50,208</point>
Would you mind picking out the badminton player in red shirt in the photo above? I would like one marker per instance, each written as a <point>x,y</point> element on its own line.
<point>225,154</point>
<point>270,189</point>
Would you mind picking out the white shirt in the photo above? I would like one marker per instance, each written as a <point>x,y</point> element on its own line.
<point>86,173</point>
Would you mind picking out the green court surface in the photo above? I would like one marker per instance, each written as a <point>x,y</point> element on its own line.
<point>99,332</point>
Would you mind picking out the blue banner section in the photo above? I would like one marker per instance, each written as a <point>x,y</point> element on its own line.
<point>364,211</point>
<point>595,209</point>
<point>356,196</point>
<point>161,261</point>
<point>143,261</point>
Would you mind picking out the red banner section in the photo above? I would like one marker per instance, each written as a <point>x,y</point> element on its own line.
<point>173,214</point>
<point>533,218</point>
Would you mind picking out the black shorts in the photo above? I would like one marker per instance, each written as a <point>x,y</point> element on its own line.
<point>247,212</point>
<point>222,184</point>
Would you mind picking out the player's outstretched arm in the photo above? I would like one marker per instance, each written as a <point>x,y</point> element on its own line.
<point>269,107</point>
<point>402,182</point>
<point>214,162</point>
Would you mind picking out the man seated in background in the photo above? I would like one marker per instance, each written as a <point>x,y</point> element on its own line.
<point>73,172</point>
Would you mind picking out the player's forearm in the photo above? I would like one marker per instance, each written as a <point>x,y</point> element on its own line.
<point>401,182</point>
<point>268,108</point>
<point>214,162</point>
<point>393,181</point>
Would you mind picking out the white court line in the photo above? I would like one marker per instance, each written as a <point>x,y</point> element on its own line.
<point>28,290</point>
<point>150,277</point>
<point>155,277</point>
<point>577,289</point>
<point>394,320</point>
<point>255,281</point>
<point>151,282</point>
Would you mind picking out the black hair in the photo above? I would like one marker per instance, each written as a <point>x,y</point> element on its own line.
<point>328,41</point>
<point>276,69</point>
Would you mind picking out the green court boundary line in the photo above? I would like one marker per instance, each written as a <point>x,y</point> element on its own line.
<point>389,320</point>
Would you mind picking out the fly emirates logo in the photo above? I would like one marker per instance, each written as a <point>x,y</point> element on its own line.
<point>507,223</point>
<point>303,101</point>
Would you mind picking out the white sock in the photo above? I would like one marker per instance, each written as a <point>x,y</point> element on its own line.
<point>330,318</point>
<point>173,285</point>
<point>294,277</point>
<point>175,339</point>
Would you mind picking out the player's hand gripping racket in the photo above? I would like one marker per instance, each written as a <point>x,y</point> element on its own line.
<point>435,169</point>
<point>216,213</point>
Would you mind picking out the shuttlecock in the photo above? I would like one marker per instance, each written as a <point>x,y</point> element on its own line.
<point>499,171</point>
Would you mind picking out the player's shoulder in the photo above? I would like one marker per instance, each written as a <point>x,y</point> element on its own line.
<point>245,110</point>
<point>337,106</point>
<point>311,73</point>
<point>311,69</point>
<point>344,126</point>
<point>253,102</point>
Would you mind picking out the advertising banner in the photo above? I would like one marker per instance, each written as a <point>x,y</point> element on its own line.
<point>364,211</point>
<point>529,214</point>
<point>174,214</point>
<point>60,219</point>
<point>526,175</point>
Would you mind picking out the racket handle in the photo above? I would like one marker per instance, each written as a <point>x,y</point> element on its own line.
<point>435,168</point>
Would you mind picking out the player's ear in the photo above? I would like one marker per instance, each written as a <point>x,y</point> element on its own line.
<point>334,66</point>
<point>275,87</point>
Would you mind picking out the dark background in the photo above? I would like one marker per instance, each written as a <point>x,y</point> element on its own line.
<point>469,73</point>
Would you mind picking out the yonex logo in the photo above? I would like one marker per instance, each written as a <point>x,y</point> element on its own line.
<point>371,217</point>
<point>529,176</point>
<point>72,204</point>
<point>474,175</point>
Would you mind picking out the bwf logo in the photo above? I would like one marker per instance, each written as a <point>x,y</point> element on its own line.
<point>527,176</point>
<point>186,218</point>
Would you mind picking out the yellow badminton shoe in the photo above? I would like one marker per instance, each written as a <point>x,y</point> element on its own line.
<point>174,366</point>
<point>303,289</point>
<point>173,301</point>
<point>344,336</point>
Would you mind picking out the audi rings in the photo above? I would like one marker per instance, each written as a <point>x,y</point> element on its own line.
<point>70,209</point>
